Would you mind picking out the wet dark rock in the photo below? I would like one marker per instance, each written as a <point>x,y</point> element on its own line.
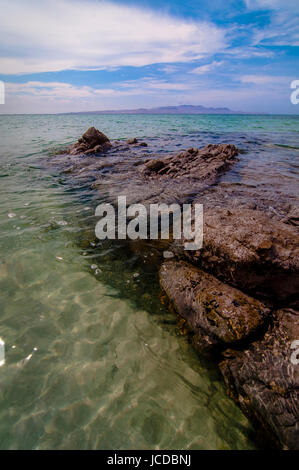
<point>126,171</point>
<point>216,313</point>
<point>135,141</point>
<point>146,184</point>
<point>92,141</point>
<point>265,383</point>
<point>204,164</point>
<point>155,165</point>
<point>249,250</point>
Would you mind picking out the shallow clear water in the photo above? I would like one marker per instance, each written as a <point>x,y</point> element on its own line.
<point>93,360</point>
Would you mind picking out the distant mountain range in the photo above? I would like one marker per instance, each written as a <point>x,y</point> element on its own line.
<point>182,109</point>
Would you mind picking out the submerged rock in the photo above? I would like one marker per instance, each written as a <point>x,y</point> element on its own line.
<point>92,141</point>
<point>124,171</point>
<point>142,184</point>
<point>247,249</point>
<point>216,313</point>
<point>264,380</point>
<point>135,141</point>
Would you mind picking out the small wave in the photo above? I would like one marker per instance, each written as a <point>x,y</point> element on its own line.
<point>286,146</point>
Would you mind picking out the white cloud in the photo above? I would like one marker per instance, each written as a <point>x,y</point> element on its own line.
<point>206,68</point>
<point>291,5</point>
<point>67,93</point>
<point>248,52</point>
<point>169,69</point>
<point>49,97</point>
<point>283,31</point>
<point>283,27</point>
<point>43,97</point>
<point>147,84</point>
<point>268,80</point>
<point>54,90</point>
<point>40,36</point>
<point>254,93</point>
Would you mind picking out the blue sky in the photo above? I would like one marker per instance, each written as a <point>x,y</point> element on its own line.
<point>83,55</point>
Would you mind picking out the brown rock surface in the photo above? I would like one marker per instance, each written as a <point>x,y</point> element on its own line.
<point>265,382</point>
<point>204,164</point>
<point>126,170</point>
<point>247,249</point>
<point>216,313</point>
<point>92,141</point>
<point>135,141</point>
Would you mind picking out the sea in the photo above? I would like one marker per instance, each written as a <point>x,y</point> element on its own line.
<point>92,359</point>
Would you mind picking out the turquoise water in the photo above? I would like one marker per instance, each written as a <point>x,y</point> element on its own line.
<point>93,360</point>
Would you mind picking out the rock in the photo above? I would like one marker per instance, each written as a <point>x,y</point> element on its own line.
<point>132,141</point>
<point>96,149</point>
<point>265,383</point>
<point>127,172</point>
<point>249,250</point>
<point>92,141</point>
<point>216,313</point>
<point>94,137</point>
<point>170,179</point>
<point>293,216</point>
<point>204,164</point>
<point>155,165</point>
<point>135,141</point>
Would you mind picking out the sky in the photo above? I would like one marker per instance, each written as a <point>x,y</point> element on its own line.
<point>85,55</point>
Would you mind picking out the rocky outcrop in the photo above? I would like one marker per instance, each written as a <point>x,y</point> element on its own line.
<point>249,250</point>
<point>92,141</point>
<point>135,141</point>
<point>264,380</point>
<point>204,164</point>
<point>173,179</point>
<point>258,254</point>
<point>249,261</point>
<point>128,170</point>
<point>217,314</point>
